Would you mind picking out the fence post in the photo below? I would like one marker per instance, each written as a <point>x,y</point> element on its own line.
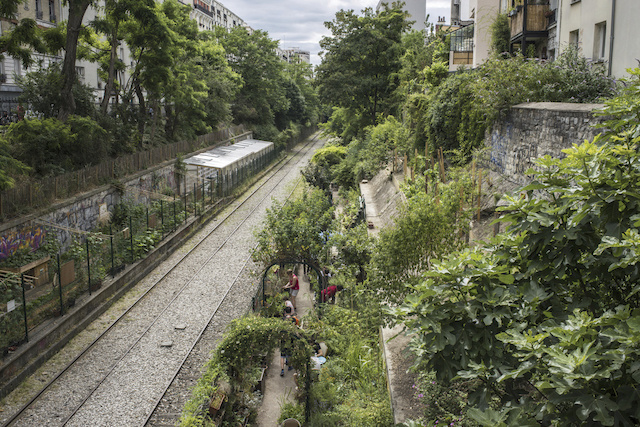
<point>131,239</point>
<point>24,308</point>
<point>203,195</point>
<point>175,217</point>
<point>147,218</point>
<point>195,200</point>
<point>88,264</point>
<point>113,267</point>
<point>162,217</point>
<point>60,284</point>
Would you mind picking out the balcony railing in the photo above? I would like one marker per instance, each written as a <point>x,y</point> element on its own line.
<point>551,17</point>
<point>203,9</point>
<point>535,21</point>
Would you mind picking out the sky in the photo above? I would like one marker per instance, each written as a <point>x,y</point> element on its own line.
<point>300,23</point>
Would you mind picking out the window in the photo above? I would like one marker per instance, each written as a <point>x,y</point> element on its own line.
<point>39,12</point>
<point>80,74</point>
<point>17,67</point>
<point>52,11</point>
<point>599,41</point>
<point>574,39</point>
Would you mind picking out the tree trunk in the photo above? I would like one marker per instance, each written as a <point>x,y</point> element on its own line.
<point>169,123</point>
<point>142,111</point>
<point>108,89</point>
<point>77,9</point>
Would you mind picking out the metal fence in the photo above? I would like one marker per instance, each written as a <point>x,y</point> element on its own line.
<point>28,196</point>
<point>47,288</point>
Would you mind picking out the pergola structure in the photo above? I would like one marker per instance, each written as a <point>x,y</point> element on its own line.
<point>225,167</point>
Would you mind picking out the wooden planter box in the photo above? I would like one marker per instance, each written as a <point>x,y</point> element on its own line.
<point>216,403</point>
<point>38,269</point>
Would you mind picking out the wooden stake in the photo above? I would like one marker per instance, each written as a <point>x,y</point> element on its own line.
<point>479,192</point>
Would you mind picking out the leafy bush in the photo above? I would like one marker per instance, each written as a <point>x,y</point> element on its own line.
<point>50,146</point>
<point>461,108</point>
<point>548,315</point>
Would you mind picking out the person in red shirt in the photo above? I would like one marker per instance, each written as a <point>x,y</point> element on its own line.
<point>293,286</point>
<point>330,292</point>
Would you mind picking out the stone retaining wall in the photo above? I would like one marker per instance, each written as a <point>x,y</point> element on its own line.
<point>535,129</point>
<point>87,210</point>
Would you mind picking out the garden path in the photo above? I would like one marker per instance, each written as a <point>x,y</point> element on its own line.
<point>279,390</point>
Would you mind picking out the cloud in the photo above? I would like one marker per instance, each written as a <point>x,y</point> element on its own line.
<point>300,23</point>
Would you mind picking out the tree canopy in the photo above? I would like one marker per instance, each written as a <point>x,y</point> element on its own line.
<point>360,62</point>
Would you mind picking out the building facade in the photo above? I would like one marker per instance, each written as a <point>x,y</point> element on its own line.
<point>604,31</point>
<point>46,13</point>
<point>417,10</point>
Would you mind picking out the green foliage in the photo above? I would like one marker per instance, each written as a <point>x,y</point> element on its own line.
<point>9,166</point>
<point>23,39</point>
<point>360,63</point>
<point>443,403</point>
<point>500,34</point>
<point>350,389</point>
<point>458,111</point>
<point>253,57</point>
<point>428,227</point>
<point>319,171</point>
<point>296,229</point>
<point>41,92</point>
<point>547,315</point>
<point>49,146</point>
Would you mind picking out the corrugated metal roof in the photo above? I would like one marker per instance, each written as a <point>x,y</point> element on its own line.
<point>221,157</point>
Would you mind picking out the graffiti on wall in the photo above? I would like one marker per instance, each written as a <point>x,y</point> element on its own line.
<point>20,240</point>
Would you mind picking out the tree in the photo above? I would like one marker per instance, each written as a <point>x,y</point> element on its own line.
<point>24,37</point>
<point>77,9</point>
<point>295,230</point>
<point>9,166</point>
<point>361,61</point>
<point>427,229</point>
<point>41,91</point>
<point>253,57</point>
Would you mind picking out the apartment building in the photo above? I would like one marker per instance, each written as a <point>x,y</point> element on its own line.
<point>605,31</point>
<point>417,10</point>
<point>294,54</point>
<point>46,13</point>
<point>470,33</point>
<point>210,13</point>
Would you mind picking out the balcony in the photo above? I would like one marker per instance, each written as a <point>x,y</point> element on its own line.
<point>202,9</point>
<point>529,18</point>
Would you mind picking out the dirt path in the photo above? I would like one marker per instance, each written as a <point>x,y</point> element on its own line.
<point>279,390</point>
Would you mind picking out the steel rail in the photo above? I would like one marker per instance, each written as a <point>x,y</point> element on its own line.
<point>143,296</point>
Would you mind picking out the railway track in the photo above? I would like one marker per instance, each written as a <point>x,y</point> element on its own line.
<point>140,370</point>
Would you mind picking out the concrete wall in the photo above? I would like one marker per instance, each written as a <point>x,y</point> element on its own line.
<point>485,12</point>
<point>533,130</point>
<point>87,210</point>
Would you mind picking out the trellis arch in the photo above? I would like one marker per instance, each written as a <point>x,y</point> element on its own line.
<point>250,336</point>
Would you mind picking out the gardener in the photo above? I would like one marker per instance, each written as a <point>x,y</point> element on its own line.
<point>330,292</point>
<point>293,286</point>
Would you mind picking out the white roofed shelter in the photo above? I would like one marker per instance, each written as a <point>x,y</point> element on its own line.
<point>223,168</point>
